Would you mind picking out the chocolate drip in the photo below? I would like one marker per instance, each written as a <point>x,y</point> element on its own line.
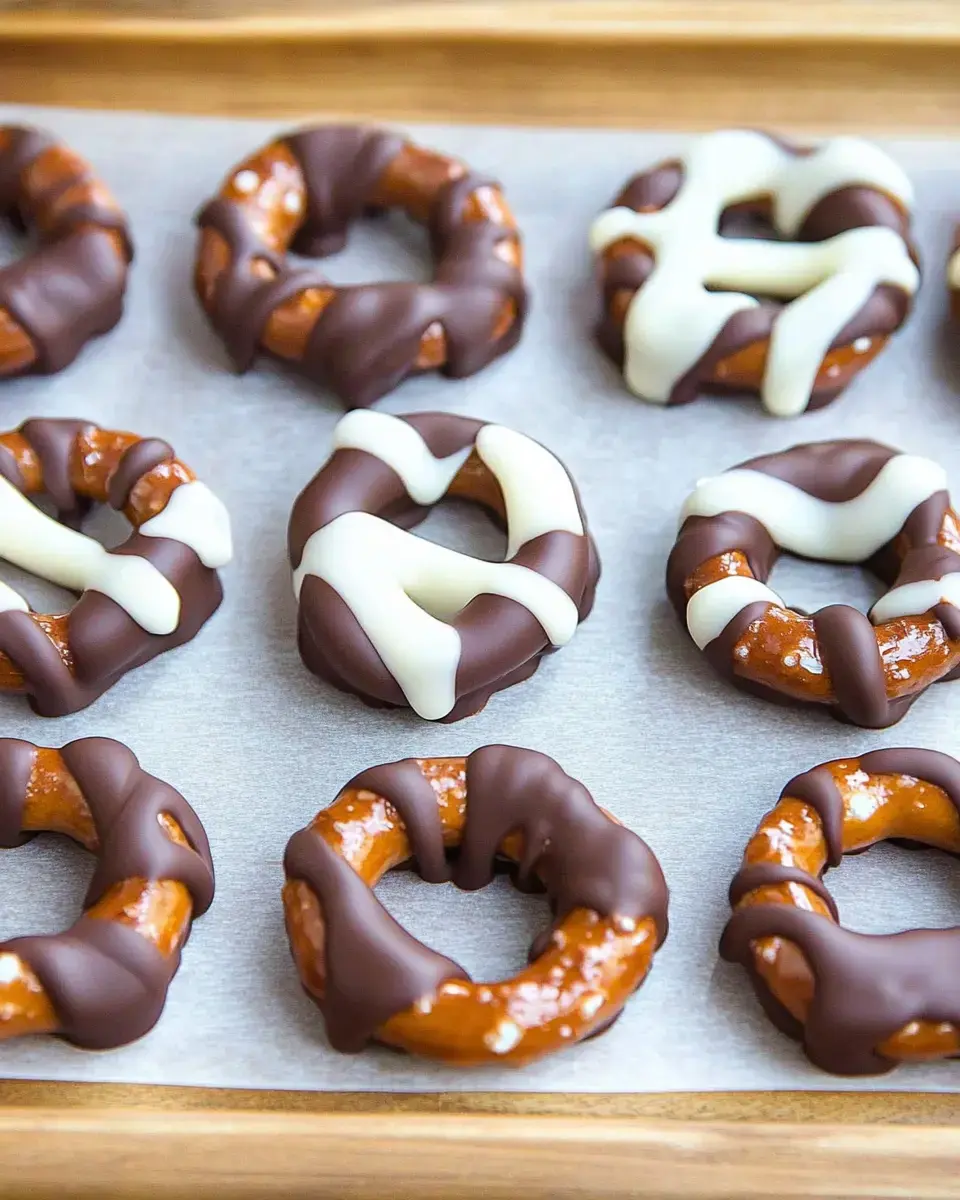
<point>818,789</point>
<point>17,759</point>
<point>138,460</point>
<point>772,874</point>
<point>367,338</point>
<point>373,968</point>
<point>341,166</point>
<point>581,857</point>
<point>851,208</point>
<point>23,147</point>
<point>125,803</point>
<point>652,190</point>
<point>850,652</point>
<point>868,986</point>
<point>65,293</point>
<point>107,983</point>
<point>105,641</point>
<point>54,441</point>
<point>408,790</point>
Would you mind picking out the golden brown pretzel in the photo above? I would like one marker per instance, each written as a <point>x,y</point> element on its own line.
<point>302,191</point>
<point>526,810</point>
<point>72,984</point>
<point>72,287</point>
<point>860,1003</point>
<point>65,661</point>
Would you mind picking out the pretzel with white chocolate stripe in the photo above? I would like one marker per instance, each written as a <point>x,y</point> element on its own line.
<point>848,502</point>
<point>688,310</point>
<point>403,622</point>
<point>148,595</point>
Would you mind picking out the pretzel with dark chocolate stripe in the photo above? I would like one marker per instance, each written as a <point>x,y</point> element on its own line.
<point>861,1003</point>
<point>845,501</point>
<point>400,621</point>
<point>687,310</point>
<point>103,982</point>
<point>371,979</point>
<point>148,595</point>
<point>71,288</point>
<point>302,192</point>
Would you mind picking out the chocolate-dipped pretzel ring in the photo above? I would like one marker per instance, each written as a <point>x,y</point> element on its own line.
<point>860,1002</point>
<point>148,595</point>
<point>400,621</point>
<point>845,501</point>
<point>71,288</point>
<point>302,191</point>
<point>687,310</point>
<point>103,982</point>
<point>372,979</point>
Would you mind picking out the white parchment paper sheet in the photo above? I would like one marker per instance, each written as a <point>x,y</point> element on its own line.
<point>258,745</point>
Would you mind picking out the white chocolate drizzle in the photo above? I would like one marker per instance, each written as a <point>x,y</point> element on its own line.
<point>848,531</point>
<point>673,319</point>
<point>403,590</point>
<point>195,516</point>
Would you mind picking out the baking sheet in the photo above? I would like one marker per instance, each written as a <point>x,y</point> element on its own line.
<point>258,745</point>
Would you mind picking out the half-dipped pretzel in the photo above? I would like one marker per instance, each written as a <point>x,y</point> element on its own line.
<point>71,287</point>
<point>860,1002</point>
<point>845,501</point>
<point>103,982</point>
<point>372,979</point>
<point>150,594</point>
<point>400,621</point>
<point>687,310</point>
<point>302,192</point>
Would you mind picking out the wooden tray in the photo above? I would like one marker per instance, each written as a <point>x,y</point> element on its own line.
<point>885,65</point>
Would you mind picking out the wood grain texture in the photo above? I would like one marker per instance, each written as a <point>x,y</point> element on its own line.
<point>131,1154</point>
<point>849,64</point>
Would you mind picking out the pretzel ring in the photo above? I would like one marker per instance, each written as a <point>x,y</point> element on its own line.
<point>860,1002</point>
<point>71,288</point>
<point>850,502</point>
<point>371,979</point>
<point>689,311</point>
<point>302,191</point>
<point>400,621</point>
<point>154,592</point>
<point>103,982</point>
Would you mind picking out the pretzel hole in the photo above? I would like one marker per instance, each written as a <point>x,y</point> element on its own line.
<point>893,887</point>
<point>44,884</point>
<point>465,527</point>
<point>808,586</point>
<point>488,932</point>
<point>390,247</point>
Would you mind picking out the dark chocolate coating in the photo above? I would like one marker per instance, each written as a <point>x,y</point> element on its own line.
<point>107,983</point>
<point>374,969</point>
<point>867,986</point>
<point>834,472</point>
<point>71,287</point>
<point>105,641</point>
<point>137,461</point>
<point>367,339</point>
<point>501,640</point>
<point>846,208</point>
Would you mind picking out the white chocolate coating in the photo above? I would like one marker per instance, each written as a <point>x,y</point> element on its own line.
<point>710,610</point>
<point>800,523</point>
<point>673,320</point>
<point>914,599</point>
<point>403,589</point>
<point>195,516</point>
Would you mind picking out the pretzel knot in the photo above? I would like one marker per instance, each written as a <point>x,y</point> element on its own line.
<point>400,621</point>
<point>689,310</point>
<point>148,595</point>
<point>71,287</point>
<point>371,979</point>
<point>103,982</point>
<point>861,1003</point>
<point>302,192</point>
<point>849,502</point>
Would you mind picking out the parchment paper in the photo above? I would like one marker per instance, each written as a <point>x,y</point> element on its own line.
<point>258,745</point>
